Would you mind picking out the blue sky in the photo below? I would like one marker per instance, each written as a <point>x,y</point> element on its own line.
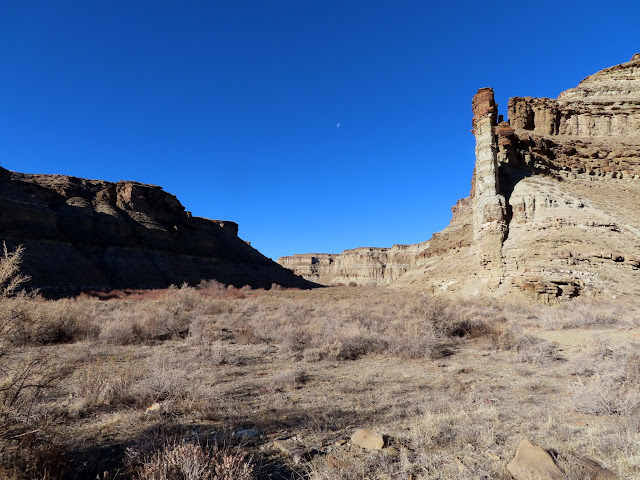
<point>234,105</point>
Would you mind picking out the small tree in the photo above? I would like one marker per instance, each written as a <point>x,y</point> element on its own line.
<point>10,276</point>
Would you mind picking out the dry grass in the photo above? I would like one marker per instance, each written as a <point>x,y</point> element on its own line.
<point>191,461</point>
<point>140,384</point>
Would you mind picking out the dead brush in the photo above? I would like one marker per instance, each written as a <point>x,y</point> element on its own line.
<point>11,279</point>
<point>215,289</point>
<point>414,346</point>
<point>25,378</point>
<point>614,387</point>
<point>218,354</point>
<point>246,335</point>
<point>327,351</point>
<point>192,461</point>
<point>31,455</point>
<point>295,342</point>
<point>159,382</point>
<point>289,378</point>
<point>123,329</point>
<point>40,322</point>
<point>369,465</point>
<point>25,374</point>
<point>95,387</point>
<point>207,328</point>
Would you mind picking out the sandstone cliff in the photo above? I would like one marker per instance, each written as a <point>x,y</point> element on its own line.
<point>88,234</point>
<point>554,208</point>
<point>359,266</point>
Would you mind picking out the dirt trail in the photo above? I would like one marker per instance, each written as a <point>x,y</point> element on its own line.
<point>573,338</point>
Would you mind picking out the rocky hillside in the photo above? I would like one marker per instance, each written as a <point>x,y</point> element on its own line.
<point>554,207</point>
<point>88,234</point>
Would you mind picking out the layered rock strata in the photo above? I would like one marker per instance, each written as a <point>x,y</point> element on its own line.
<point>83,234</point>
<point>488,204</point>
<point>554,209</point>
<point>359,266</point>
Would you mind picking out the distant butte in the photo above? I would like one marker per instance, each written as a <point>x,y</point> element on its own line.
<point>554,208</point>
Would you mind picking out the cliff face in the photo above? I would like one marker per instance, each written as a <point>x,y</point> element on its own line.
<point>88,234</point>
<point>360,266</point>
<point>554,208</point>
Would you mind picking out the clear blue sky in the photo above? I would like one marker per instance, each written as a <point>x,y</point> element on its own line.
<point>234,105</point>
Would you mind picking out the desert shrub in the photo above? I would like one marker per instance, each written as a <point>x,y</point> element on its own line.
<point>411,326</point>
<point>161,380</point>
<point>295,341</point>
<point>205,329</point>
<point>24,378</point>
<point>216,306</point>
<point>437,315</point>
<point>10,277</point>
<point>95,387</point>
<point>610,383</point>
<point>349,334</point>
<point>588,312</point>
<point>123,329</point>
<point>411,346</point>
<point>41,322</point>
<point>168,315</point>
<point>247,335</point>
<point>289,377</point>
<point>218,354</point>
<point>347,349</point>
<point>212,288</point>
<point>215,289</point>
<point>327,351</point>
<point>355,346</point>
<point>366,466</point>
<point>24,375</point>
<point>501,336</point>
<point>178,308</point>
<point>531,349</point>
<point>135,322</point>
<point>32,455</point>
<point>606,395</point>
<point>188,461</point>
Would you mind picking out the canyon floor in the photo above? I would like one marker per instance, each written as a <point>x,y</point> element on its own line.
<point>272,384</point>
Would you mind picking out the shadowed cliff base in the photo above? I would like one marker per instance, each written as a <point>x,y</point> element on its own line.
<point>82,235</point>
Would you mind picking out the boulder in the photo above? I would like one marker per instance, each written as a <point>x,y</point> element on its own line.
<point>367,439</point>
<point>594,470</point>
<point>533,463</point>
<point>296,452</point>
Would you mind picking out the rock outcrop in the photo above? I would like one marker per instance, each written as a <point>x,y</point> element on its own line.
<point>554,207</point>
<point>93,235</point>
<point>533,463</point>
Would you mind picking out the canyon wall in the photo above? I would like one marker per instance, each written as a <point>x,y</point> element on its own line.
<point>83,234</point>
<point>554,208</point>
<point>359,266</point>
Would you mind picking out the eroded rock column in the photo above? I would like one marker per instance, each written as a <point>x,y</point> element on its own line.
<point>489,213</point>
